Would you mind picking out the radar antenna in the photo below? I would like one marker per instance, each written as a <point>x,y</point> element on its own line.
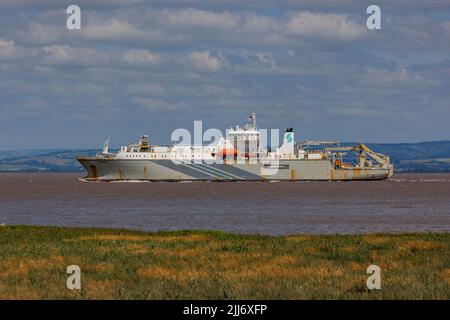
<point>106,145</point>
<point>253,118</point>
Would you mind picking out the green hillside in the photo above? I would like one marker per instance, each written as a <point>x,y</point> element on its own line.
<point>431,156</point>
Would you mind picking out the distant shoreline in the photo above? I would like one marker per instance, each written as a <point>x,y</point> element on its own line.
<point>421,157</point>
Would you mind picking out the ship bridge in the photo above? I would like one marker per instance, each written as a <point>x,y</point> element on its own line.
<point>242,143</point>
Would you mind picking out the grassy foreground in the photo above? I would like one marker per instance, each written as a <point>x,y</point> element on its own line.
<point>118,264</point>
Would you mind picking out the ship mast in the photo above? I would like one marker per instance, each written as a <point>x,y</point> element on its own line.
<point>253,118</point>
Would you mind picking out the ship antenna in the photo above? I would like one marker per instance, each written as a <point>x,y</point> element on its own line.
<point>253,118</point>
<point>106,145</point>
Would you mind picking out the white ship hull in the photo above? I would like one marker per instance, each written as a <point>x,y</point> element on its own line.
<point>168,170</point>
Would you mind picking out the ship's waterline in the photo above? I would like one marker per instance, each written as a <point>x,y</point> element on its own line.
<point>238,157</point>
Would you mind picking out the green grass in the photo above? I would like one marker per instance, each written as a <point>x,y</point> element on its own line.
<point>119,264</point>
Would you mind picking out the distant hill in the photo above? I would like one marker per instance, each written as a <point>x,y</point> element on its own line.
<point>51,160</point>
<point>431,156</point>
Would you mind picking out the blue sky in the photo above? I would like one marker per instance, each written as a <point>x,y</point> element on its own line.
<point>154,66</point>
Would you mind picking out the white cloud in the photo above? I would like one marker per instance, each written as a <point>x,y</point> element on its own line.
<point>291,53</point>
<point>266,57</point>
<point>188,26</point>
<point>33,107</point>
<point>41,33</point>
<point>140,57</point>
<point>58,54</point>
<point>259,23</point>
<point>7,49</point>
<point>151,104</point>
<point>396,78</point>
<point>200,18</point>
<point>446,26</point>
<point>10,51</point>
<point>203,61</point>
<point>357,111</point>
<point>223,55</point>
<point>112,29</point>
<point>66,54</point>
<point>220,91</point>
<point>332,26</point>
<point>146,88</point>
<point>87,88</point>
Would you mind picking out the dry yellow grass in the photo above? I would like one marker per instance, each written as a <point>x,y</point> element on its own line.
<point>190,265</point>
<point>446,275</point>
<point>137,248</point>
<point>101,267</point>
<point>93,289</point>
<point>298,238</point>
<point>349,249</point>
<point>423,245</point>
<point>172,274</point>
<point>112,237</point>
<point>140,238</point>
<point>197,252</point>
<point>21,267</point>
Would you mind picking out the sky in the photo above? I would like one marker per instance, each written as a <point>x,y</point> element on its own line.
<point>153,66</point>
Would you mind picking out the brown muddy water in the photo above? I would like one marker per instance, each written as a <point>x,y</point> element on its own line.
<point>406,203</point>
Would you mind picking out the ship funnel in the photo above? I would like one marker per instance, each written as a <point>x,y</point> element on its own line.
<point>287,148</point>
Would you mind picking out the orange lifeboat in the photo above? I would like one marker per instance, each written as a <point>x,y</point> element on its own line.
<point>228,152</point>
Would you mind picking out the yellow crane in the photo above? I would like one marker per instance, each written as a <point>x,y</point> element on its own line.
<point>364,150</point>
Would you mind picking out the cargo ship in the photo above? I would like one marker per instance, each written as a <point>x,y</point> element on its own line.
<point>239,156</point>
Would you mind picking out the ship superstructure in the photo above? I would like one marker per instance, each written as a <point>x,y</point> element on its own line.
<point>238,156</point>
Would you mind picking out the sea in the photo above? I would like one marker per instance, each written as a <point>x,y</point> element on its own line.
<point>404,203</point>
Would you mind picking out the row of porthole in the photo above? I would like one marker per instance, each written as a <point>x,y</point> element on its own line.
<point>142,156</point>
